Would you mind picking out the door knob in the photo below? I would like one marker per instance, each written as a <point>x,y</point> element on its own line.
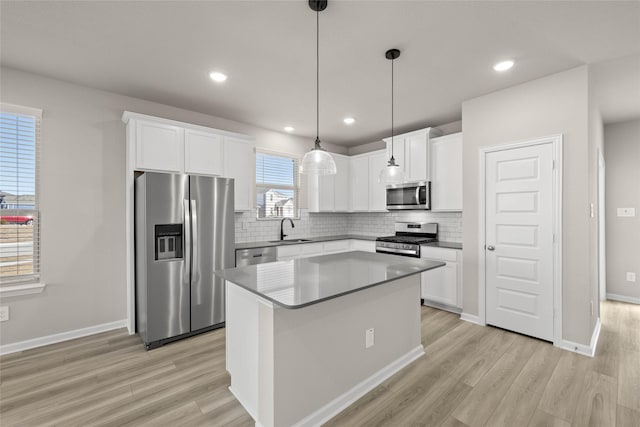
<point>490,248</point>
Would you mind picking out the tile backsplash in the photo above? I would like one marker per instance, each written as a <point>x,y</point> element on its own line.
<point>250,229</point>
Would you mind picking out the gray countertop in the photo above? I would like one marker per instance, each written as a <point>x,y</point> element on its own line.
<point>265,244</point>
<point>447,245</point>
<point>251,245</point>
<point>305,281</point>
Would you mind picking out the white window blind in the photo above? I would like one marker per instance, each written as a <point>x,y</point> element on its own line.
<point>19,214</point>
<point>276,185</point>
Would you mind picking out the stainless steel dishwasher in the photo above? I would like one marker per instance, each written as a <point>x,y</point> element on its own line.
<point>253,256</point>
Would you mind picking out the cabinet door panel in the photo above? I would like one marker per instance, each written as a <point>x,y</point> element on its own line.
<point>240,164</point>
<point>159,147</point>
<point>416,153</point>
<point>377,190</point>
<point>362,245</point>
<point>203,153</point>
<point>446,170</point>
<point>439,285</point>
<point>359,184</point>
<point>341,184</point>
<point>326,184</point>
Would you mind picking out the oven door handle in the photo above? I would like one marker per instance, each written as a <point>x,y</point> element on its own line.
<point>398,251</point>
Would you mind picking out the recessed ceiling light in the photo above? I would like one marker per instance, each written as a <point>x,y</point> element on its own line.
<point>217,76</point>
<point>349,120</point>
<point>503,66</point>
<point>289,128</point>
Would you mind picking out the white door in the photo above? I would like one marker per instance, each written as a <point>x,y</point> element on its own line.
<point>519,239</point>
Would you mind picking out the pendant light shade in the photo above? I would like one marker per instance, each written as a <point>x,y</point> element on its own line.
<point>393,173</point>
<point>318,161</point>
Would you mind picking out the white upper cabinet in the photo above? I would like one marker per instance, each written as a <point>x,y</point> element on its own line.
<point>446,173</point>
<point>330,193</point>
<point>158,146</point>
<point>359,183</point>
<point>240,164</point>
<point>377,191</point>
<point>341,183</point>
<point>411,151</point>
<point>203,153</point>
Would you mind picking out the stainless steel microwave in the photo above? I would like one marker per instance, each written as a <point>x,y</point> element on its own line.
<point>412,195</point>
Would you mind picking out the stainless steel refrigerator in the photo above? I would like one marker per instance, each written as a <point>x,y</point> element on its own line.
<point>184,230</point>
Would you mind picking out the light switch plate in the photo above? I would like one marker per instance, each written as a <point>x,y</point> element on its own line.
<point>626,211</point>
<point>631,277</point>
<point>368,338</point>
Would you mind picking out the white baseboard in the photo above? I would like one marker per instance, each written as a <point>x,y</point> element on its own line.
<point>471,318</point>
<point>64,336</point>
<point>586,350</point>
<point>441,306</point>
<point>338,404</point>
<point>623,298</point>
<point>249,411</point>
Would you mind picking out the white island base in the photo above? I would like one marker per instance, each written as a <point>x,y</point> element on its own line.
<point>301,367</point>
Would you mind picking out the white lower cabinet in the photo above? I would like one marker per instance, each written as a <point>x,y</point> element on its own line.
<point>362,245</point>
<point>442,286</point>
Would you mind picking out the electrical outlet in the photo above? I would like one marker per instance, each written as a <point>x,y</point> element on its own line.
<point>631,277</point>
<point>368,338</point>
<point>4,313</point>
<point>626,211</point>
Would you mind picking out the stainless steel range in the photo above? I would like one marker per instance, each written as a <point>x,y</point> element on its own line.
<point>408,238</point>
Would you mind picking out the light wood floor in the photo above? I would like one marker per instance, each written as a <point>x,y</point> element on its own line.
<point>470,376</point>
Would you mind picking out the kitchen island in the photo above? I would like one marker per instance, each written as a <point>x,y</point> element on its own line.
<point>308,337</point>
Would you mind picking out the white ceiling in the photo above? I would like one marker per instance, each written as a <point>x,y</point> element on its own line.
<point>164,51</point>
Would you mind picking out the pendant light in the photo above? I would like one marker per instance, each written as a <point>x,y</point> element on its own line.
<point>392,174</point>
<point>318,161</point>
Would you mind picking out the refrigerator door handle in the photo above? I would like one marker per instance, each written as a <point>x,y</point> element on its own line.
<point>194,246</point>
<point>187,243</point>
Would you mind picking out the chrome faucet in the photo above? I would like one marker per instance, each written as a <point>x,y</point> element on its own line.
<point>282,235</point>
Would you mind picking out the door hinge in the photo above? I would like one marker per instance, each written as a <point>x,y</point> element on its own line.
<point>553,164</point>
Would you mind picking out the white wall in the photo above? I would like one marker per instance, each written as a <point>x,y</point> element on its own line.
<point>551,105</point>
<point>82,200</point>
<point>622,158</point>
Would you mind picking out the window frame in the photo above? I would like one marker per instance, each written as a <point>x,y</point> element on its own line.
<point>295,188</point>
<point>19,283</point>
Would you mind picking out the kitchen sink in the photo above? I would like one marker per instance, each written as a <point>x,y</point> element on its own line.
<point>284,242</point>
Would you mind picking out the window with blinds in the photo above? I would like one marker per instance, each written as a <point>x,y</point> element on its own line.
<point>276,185</point>
<point>19,215</point>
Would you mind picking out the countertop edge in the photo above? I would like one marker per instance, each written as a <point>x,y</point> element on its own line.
<point>433,264</point>
<point>317,239</point>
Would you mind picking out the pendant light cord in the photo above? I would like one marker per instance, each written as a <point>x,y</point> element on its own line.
<point>392,61</point>
<point>317,78</point>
